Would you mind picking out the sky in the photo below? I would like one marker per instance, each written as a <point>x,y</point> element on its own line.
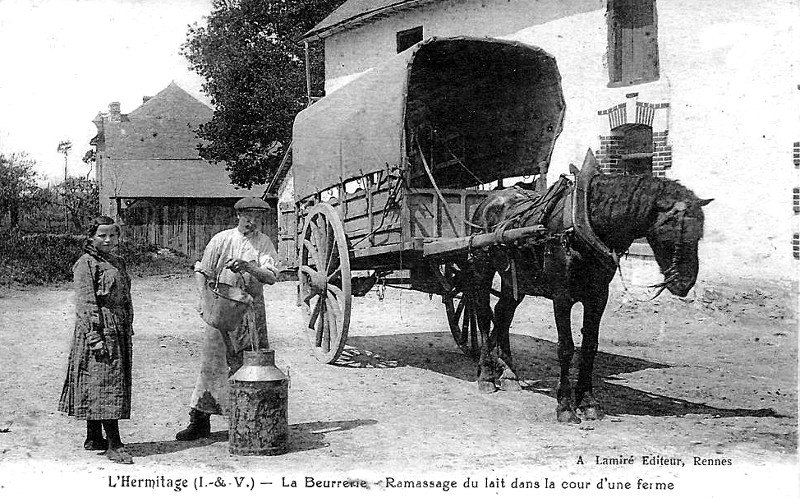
<point>63,61</point>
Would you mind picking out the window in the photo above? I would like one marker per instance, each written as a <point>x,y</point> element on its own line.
<point>796,200</point>
<point>408,38</point>
<point>315,70</point>
<point>796,246</point>
<point>636,151</point>
<point>632,42</point>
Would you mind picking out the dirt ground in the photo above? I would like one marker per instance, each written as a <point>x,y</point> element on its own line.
<point>712,376</point>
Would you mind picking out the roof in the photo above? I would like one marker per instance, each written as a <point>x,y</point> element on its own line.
<point>503,99</point>
<point>152,150</point>
<point>163,127</point>
<point>355,12</point>
<point>196,178</point>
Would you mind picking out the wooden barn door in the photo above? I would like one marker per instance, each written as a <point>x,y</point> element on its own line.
<point>287,234</point>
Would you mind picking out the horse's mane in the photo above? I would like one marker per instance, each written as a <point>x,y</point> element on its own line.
<point>631,197</point>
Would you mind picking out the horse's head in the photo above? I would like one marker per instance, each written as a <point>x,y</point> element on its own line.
<point>673,236</point>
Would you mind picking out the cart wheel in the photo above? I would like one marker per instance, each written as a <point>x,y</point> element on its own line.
<point>324,276</point>
<point>461,314</point>
<point>460,311</point>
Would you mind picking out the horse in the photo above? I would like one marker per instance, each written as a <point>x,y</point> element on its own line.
<point>568,269</point>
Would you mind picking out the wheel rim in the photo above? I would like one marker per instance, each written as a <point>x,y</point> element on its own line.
<point>324,277</point>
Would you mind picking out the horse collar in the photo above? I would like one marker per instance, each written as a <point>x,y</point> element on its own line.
<point>576,216</point>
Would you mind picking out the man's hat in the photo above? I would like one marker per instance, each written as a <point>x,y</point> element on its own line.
<point>251,203</point>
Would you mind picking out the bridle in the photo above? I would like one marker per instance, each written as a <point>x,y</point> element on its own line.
<point>671,273</point>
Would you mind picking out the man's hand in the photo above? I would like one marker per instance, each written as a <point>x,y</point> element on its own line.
<point>239,266</point>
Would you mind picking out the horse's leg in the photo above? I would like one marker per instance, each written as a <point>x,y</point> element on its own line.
<point>483,311</point>
<point>504,315</point>
<point>592,313</point>
<point>562,308</point>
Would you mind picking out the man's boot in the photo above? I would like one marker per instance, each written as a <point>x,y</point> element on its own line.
<point>199,426</point>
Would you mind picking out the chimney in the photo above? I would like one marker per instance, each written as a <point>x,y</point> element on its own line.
<point>146,98</point>
<point>113,112</point>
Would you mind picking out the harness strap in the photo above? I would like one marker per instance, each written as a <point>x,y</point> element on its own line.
<point>514,282</point>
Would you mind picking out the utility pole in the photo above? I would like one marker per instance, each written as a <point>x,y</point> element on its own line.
<point>63,148</point>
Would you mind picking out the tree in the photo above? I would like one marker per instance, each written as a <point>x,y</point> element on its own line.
<point>90,158</point>
<point>254,72</point>
<point>18,187</point>
<point>81,198</point>
<point>64,147</point>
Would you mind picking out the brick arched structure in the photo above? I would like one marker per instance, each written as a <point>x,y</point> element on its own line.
<point>628,115</point>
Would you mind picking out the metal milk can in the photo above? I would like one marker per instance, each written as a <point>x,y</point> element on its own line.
<point>259,422</point>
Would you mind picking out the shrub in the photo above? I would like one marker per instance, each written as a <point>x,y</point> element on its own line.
<point>40,259</point>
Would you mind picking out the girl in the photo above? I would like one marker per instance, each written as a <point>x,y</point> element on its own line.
<point>98,381</point>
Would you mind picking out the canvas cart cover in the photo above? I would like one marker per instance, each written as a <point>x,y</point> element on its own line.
<point>503,99</point>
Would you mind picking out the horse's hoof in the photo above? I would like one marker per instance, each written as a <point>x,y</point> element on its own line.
<point>567,417</point>
<point>510,385</point>
<point>592,413</point>
<point>486,387</point>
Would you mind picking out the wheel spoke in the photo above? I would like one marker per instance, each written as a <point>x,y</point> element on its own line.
<point>322,245</point>
<point>318,257</point>
<point>333,305</point>
<point>311,272</point>
<point>309,245</point>
<point>323,236</point>
<point>315,314</point>
<point>459,310</point>
<point>465,325</point>
<point>337,292</point>
<point>333,326</point>
<point>473,329</point>
<point>320,323</point>
<point>326,332</point>
<point>336,273</point>
<point>333,251</point>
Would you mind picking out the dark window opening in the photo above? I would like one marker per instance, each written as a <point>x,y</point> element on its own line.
<point>632,42</point>
<point>315,70</point>
<point>408,38</point>
<point>636,154</point>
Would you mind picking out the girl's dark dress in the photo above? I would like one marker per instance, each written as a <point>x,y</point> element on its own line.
<point>100,389</point>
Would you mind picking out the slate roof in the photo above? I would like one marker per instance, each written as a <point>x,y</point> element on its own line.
<point>152,151</point>
<point>355,12</point>
<point>161,128</point>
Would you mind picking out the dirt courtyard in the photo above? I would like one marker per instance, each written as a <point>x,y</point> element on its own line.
<point>710,377</point>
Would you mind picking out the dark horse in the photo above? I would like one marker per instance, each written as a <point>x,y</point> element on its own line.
<point>564,268</point>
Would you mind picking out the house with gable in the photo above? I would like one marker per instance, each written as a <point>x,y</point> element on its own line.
<point>701,92</point>
<point>152,179</point>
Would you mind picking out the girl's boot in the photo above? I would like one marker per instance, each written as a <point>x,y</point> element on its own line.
<point>94,436</point>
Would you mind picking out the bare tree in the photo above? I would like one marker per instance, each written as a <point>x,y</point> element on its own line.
<point>64,147</point>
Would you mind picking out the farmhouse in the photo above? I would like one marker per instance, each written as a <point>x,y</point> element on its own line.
<point>701,92</point>
<point>152,179</point>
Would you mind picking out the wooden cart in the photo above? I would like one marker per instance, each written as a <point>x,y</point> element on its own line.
<point>389,169</point>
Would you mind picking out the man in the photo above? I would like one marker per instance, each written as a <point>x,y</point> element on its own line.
<point>242,257</point>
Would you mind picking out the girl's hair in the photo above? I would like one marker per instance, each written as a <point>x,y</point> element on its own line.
<point>101,220</point>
